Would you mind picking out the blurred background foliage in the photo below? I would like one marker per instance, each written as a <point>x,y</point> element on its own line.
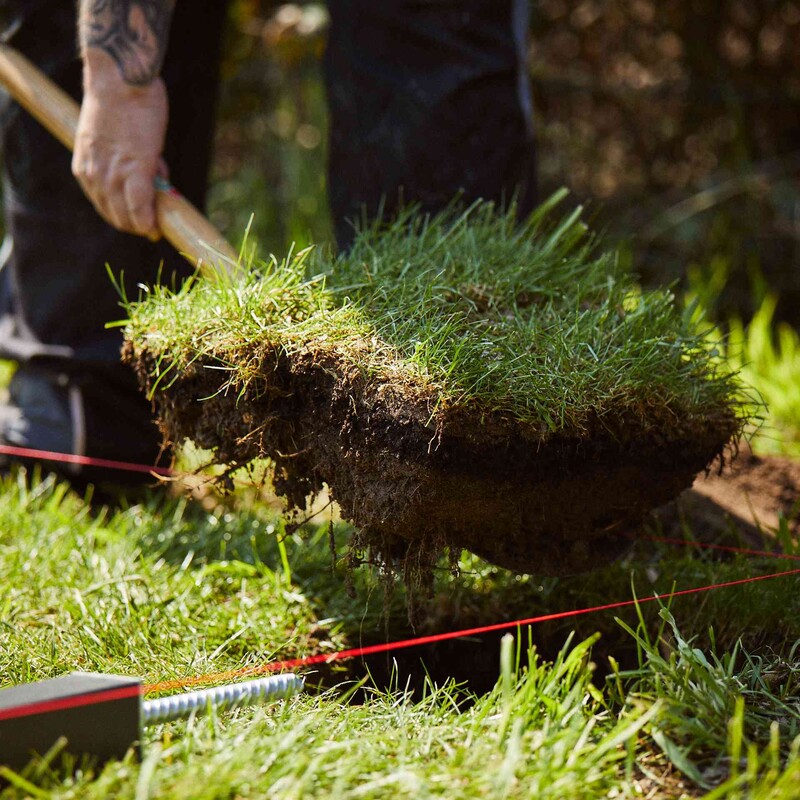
<point>677,123</point>
<point>271,129</point>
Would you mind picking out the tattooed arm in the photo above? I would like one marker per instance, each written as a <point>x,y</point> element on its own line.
<point>134,34</point>
<point>123,118</point>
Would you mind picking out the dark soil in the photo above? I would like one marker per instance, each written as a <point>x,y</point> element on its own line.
<point>415,480</point>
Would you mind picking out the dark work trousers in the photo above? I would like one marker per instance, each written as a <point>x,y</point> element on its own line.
<point>427,98</point>
<point>55,293</point>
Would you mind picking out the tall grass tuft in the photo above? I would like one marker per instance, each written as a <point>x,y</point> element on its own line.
<point>764,352</point>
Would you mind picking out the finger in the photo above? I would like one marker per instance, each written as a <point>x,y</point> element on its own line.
<point>86,173</point>
<point>112,199</point>
<point>140,199</point>
<point>79,167</point>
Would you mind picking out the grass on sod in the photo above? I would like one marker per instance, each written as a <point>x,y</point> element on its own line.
<point>169,589</point>
<point>530,321</point>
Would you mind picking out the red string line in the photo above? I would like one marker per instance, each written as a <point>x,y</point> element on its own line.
<point>85,461</point>
<point>723,547</point>
<point>89,461</point>
<point>76,701</point>
<point>356,652</point>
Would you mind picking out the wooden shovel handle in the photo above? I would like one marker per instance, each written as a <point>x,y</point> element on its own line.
<point>180,222</point>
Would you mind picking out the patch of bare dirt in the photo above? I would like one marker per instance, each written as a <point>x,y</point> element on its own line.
<point>416,480</point>
<point>748,499</point>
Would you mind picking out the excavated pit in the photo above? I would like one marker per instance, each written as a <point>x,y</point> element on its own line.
<point>415,479</point>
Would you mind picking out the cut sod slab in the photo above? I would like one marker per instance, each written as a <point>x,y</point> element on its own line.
<point>462,382</point>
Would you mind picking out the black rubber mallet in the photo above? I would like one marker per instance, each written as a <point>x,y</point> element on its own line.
<point>102,716</point>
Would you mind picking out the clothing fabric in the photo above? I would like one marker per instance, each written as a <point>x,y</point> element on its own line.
<point>427,99</point>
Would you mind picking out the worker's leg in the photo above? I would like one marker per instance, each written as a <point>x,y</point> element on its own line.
<point>427,99</point>
<point>71,393</point>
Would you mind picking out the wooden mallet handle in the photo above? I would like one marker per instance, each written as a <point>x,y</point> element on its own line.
<point>180,222</point>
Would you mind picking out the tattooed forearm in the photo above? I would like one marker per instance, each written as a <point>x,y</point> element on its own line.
<point>133,32</point>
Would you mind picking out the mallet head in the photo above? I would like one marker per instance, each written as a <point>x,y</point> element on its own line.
<point>102,716</point>
<point>98,715</point>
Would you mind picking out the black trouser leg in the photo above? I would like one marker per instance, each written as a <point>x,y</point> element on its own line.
<point>427,99</point>
<point>57,296</point>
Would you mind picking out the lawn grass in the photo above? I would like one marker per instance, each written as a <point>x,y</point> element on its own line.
<point>171,589</point>
<point>533,322</point>
<point>697,698</point>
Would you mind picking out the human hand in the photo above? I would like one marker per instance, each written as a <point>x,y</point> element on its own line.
<point>118,151</point>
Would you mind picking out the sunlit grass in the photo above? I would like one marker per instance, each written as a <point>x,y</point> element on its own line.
<point>768,356</point>
<point>168,589</point>
<point>765,353</point>
<point>532,321</point>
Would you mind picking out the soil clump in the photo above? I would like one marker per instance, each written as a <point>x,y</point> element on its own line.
<point>416,479</point>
